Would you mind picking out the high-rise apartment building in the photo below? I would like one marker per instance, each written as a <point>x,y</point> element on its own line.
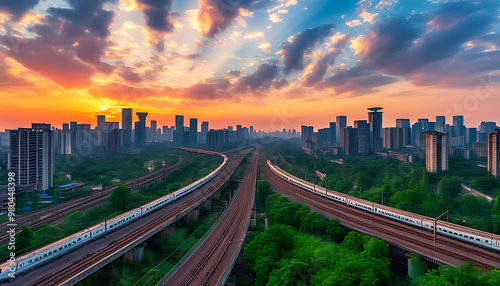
<point>375,121</point>
<point>32,156</point>
<point>193,131</point>
<point>436,151</point>
<point>140,129</point>
<point>127,127</point>
<point>341,123</point>
<point>494,153</point>
<point>154,131</point>
<point>363,136</point>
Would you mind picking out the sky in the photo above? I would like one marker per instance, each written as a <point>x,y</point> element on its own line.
<point>272,64</point>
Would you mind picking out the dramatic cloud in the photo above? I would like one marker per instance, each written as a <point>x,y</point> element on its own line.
<point>407,47</point>
<point>356,80</point>
<point>234,73</point>
<point>214,16</point>
<point>318,69</point>
<point>261,79</point>
<point>123,93</point>
<point>17,8</point>
<point>214,88</point>
<point>266,47</point>
<point>293,51</point>
<point>68,44</point>
<point>8,81</point>
<point>157,14</point>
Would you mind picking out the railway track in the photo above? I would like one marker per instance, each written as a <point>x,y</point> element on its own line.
<point>46,216</point>
<point>207,265</point>
<point>448,250</point>
<point>66,275</point>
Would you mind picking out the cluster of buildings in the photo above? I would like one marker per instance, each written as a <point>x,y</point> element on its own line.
<point>433,141</point>
<point>29,152</point>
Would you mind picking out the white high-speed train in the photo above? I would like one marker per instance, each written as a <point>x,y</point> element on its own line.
<point>477,237</point>
<point>27,262</point>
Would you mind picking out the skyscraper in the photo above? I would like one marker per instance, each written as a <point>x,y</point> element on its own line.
<point>101,129</point>
<point>204,131</point>
<point>193,131</point>
<point>333,132</point>
<point>440,123</point>
<point>405,123</point>
<point>306,134</point>
<point>73,128</point>
<point>179,130</point>
<point>349,140</point>
<point>458,120</point>
<point>154,131</point>
<point>341,123</point>
<point>140,129</point>
<point>127,127</point>
<point>494,153</point>
<point>375,121</point>
<point>32,156</point>
<point>424,122</point>
<point>363,136</point>
<point>436,151</point>
<point>394,138</point>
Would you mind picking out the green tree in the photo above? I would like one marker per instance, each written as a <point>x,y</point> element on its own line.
<point>121,199</point>
<point>263,191</point>
<point>417,269</point>
<point>450,187</point>
<point>334,230</point>
<point>355,241</point>
<point>24,238</point>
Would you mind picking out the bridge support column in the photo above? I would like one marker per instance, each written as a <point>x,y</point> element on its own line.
<point>136,254</point>
<point>216,195</point>
<point>408,256</point>
<point>207,205</point>
<point>167,232</point>
<point>193,215</point>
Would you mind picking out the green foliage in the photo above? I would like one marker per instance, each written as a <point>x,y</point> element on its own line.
<point>417,269</point>
<point>334,230</point>
<point>355,241</point>
<point>264,252</point>
<point>466,275</point>
<point>263,191</point>
<point>450,187</point>
<point>122,199</point>
<point>24,238</point>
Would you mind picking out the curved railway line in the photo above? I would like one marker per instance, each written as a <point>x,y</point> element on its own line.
<point>74,272</point>
<point>448,250</point>
<point>207,265</point>
<point>46,216</point>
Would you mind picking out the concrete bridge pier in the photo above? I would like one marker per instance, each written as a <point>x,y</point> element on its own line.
<point>216,195</point>
<point>193,215</point>
<point>136,254</point>
<point>207,204</point>
<point>167,232</point>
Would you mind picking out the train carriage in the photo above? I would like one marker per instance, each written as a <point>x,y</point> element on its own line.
<point>476,237</point>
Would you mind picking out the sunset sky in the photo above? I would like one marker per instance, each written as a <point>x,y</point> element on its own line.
<point>273,64</point>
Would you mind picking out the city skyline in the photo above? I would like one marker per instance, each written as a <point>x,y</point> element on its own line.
<point>278,62</point>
